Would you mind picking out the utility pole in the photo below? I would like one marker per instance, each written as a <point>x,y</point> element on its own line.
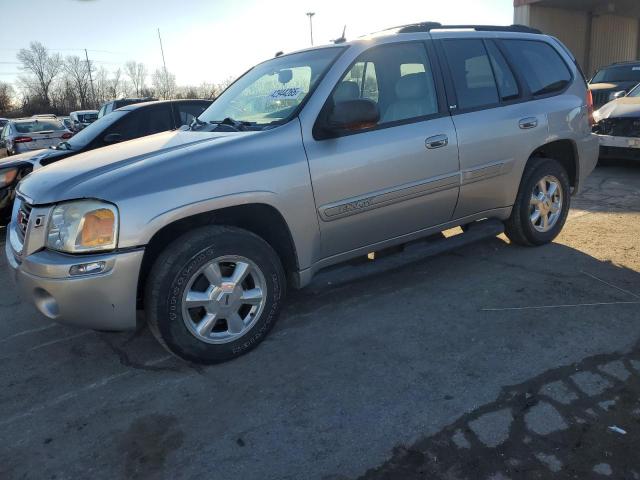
<point>310,15</point>
<point>93,92</point>
<point>166,73</point>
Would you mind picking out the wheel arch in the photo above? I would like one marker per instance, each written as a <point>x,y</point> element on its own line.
<point>261,219</point>
<point>565,151</point>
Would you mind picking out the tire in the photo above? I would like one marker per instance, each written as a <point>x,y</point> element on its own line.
<point>520,227</point>
<point>180,279</point>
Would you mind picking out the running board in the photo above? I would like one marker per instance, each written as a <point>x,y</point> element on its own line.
<point>403,255</point>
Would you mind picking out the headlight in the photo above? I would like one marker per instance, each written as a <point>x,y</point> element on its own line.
<point>7,176</point>
<point>83,226</point>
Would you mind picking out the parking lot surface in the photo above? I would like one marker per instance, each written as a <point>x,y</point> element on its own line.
<point>492,361</point>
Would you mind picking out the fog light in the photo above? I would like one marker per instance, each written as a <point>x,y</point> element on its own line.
<point>87,268</point>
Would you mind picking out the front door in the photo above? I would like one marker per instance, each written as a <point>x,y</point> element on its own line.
<point>398,177</point>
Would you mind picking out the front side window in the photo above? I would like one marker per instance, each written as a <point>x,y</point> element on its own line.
<point>89,134</point>
<point>398,77</point>
<point>539,64</point>
<point>272,91</point>
<point>472,74</point>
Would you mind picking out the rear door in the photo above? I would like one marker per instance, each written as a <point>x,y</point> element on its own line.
<point>498,125</point>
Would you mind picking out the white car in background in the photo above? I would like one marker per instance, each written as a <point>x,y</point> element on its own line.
<point>618,127</point>
<point>25,134</point>
<point>83,118</point>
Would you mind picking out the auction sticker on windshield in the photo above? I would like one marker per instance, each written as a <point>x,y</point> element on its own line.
<point>286,93</point>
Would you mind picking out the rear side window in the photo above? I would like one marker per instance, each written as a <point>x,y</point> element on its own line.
<point>188,111</point>
<point>472,74</point>
<point>540,65</point>
<point>507,85</point>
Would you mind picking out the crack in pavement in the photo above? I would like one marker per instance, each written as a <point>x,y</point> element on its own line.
<point>555,425</point>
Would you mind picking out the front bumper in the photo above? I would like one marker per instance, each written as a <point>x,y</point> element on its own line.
<point>104,301</point>
<point>619,148</point>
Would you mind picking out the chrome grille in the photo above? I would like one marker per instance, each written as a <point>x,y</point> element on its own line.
<point>600,97</point>
<point>22,220</point>
<point>619,127</point>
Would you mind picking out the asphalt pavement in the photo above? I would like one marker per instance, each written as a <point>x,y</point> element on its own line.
<point>492,361</point>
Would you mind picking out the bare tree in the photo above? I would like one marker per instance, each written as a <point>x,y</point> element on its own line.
<point>164,83</point>
<point>42,66</point>
<point>137,74</point>
<point>115,84</point>
<point>78,72</point>
<point>6,97</point>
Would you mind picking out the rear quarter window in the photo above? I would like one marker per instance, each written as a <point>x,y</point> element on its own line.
<point>539,64</point>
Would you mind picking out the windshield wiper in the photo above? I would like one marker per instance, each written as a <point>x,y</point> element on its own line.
<point>238,125</point>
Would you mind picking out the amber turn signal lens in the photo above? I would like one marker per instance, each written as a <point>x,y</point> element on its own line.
<point>98,228</point>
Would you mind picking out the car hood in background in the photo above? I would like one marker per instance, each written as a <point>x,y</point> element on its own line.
<point>619,108</point>
<point>96,173</point>
<point>614,86</point>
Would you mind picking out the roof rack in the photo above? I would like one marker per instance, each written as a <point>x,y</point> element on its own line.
<point>429,26</point>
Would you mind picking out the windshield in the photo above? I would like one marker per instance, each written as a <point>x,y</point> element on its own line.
<point>627,73</point>
<point>272,91</point>
<point>86,135</point>
<point>39,125</point>
<point>635,92</point>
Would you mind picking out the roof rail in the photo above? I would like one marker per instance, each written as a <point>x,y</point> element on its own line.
<point>429,26</point>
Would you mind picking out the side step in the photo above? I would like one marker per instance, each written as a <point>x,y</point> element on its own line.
<point>407,254</point>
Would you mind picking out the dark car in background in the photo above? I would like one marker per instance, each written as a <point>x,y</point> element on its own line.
<point>127,123</point>
<point>614,82</point>
<point>109,107</point>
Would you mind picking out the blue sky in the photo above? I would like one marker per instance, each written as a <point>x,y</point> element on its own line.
<point>215,39</point>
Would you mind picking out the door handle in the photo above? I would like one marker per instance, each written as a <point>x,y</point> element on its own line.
<point>527,123</point>
<point>437,141</point>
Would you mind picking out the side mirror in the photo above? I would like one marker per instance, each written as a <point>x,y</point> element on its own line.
<point>353,115</point>
<point>616,95</point>
<point>112,138</point>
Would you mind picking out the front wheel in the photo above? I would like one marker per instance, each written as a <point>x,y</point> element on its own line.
<point>214,294</point>
<point>542,204</point>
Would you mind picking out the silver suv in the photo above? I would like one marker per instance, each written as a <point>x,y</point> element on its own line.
<point>307,160</point>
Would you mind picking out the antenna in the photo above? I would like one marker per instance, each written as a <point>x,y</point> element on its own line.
<point>342,39</point>
<point>166,73</point>
<point>310,15</point>
<point>93,91</point>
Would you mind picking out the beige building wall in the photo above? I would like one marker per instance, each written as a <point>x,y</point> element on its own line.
<point>613,39</point>
<point>595,40</point>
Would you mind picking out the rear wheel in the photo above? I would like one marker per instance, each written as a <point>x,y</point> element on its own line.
<point>214,294</point>
<point>542,204</point>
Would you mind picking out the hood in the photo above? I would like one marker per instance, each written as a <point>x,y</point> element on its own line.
<point>91,174</point>
<point>31,156</point>
<point>613,86</point>
<point>619,108</point>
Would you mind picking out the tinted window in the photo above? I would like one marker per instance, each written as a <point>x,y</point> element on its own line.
<point>472,75</point>
<point>397,77</point>
<point>188,111</point>
<point>507,85</point>
<point>144,121</point>
<point>540,65</point>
